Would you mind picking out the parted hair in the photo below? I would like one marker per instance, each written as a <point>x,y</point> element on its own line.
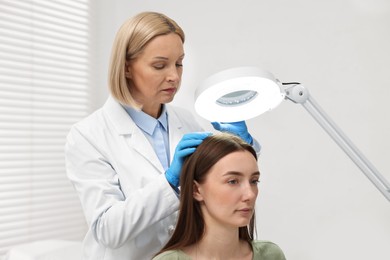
<point>130,41</point>
<point>190,225</point>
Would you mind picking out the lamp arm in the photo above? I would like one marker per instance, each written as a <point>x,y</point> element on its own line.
<point>299,94</point>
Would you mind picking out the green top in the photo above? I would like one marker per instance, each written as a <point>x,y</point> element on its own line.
<point>263,250</point>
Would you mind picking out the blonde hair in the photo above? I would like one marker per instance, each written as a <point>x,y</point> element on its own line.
<point>130,40</point>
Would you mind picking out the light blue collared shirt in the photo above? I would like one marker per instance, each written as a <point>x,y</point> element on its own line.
<point>155,130</point>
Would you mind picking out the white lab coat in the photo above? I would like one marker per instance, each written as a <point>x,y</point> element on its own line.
<point>129,206</point>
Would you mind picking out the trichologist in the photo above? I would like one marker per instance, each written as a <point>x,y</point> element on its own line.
<point>124,159</point>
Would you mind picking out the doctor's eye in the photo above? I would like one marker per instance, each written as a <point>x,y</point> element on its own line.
<point>159,66</point>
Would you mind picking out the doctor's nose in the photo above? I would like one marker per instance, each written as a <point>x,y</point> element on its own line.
<point>174,75</point>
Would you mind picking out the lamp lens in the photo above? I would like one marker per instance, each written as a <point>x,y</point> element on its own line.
<point>237,98</point>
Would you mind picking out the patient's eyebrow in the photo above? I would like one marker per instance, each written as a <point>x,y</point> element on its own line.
<point>235,173</point>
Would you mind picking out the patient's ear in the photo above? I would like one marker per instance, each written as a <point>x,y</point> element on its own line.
<point>197,191</point>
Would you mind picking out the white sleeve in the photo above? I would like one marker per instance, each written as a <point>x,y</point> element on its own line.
<point>112,216</point>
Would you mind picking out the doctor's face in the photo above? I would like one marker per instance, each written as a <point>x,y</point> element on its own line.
<point>155,74</point>
<point>228,194</point>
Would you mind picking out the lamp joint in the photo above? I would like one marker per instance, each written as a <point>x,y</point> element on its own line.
<point>296,92</point>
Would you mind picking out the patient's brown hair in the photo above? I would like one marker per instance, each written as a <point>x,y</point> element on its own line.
<point>190,226</point>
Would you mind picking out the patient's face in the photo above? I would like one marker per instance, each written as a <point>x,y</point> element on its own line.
<point>229,191</point>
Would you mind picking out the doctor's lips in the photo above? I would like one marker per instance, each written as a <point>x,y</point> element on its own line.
<point>170,90</point>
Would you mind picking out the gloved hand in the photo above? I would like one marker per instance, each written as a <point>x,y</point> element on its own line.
<point>185,147</point>
<point>236,128</point>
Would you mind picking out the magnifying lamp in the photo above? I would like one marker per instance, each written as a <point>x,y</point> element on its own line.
<point>245,92</point>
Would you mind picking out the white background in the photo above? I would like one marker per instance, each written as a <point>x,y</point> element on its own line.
<point>313,201</point>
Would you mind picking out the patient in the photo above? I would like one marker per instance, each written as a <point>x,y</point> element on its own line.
<point>219,186</point>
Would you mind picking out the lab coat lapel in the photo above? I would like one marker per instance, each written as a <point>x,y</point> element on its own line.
<point>175,131</point>
<point>126,127</point>
<point>138,142</point>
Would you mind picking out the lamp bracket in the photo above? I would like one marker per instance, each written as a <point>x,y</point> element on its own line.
<point>297,93</point>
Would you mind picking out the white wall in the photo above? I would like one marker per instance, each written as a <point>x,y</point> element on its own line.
<point>314,202</point>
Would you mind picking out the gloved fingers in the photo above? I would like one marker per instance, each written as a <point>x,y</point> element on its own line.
<point>238,128</point>
<point>187,144</point>
<point>185,147</point>
<point>232,127</point>
<point>185,152</point>
<point>239,124</point>
<point>216,125</point>
<point>192,140</point>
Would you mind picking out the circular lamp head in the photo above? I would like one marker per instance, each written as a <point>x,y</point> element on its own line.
<point>237,94</point>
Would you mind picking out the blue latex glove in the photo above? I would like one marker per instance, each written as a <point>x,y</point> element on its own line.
<point>185,147</point>
<point>236,128</point>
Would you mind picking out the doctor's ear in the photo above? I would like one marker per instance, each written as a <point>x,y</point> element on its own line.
<point>197,191</point>
<point>128,70</point>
